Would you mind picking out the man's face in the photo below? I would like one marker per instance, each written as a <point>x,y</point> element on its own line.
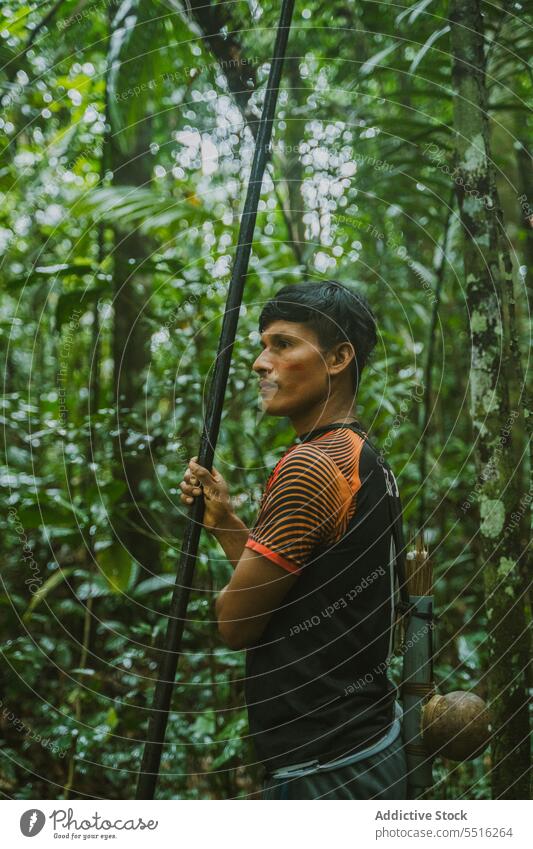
<point>292,369</point>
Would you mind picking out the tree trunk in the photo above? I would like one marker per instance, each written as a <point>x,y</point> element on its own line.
<point>296,118</point>
<point>525,201</point>
<point>131,335</point>
<point>426,409</point>
<point>491,378</point>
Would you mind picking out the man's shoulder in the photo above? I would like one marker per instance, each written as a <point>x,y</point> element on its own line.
<point>307,451</point>
<point>306,456</point>
<point>339,453</point>
<point>321,463</point>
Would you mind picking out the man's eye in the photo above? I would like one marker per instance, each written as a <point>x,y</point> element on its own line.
<point>282,343</point>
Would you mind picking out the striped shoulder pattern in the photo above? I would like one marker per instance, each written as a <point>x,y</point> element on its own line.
<point>309,499</point>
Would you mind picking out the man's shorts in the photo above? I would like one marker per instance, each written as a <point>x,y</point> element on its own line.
<point>380,776</point>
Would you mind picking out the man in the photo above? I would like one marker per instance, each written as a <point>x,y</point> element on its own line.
<point>313,592</point>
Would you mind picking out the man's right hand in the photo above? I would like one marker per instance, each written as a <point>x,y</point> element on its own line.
<point>218,508</point>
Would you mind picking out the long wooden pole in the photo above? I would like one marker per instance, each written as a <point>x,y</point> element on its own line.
<point>178,607</point>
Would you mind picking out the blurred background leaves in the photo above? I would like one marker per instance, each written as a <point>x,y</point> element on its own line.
<point>127,140</point>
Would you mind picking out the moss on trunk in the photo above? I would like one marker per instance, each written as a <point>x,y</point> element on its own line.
<point>497,454</point>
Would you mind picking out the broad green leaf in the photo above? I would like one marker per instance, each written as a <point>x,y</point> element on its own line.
<point>413,11</point>
<point>155,584</point>
<point>111,718</point>
<point>427,46</point>
<point>127,206</point>
<point>139,57</point>
<point>50,584</point>
<point>95,588</point>
<point>45,272</point>
<point>427,274</point>
<point>106,493</point>
<point>377,58</point>
<point>117,566</point>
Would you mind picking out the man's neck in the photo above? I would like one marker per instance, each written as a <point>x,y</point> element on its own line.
<point>313,421</point>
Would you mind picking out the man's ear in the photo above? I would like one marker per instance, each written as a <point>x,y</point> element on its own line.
<point>341,356</point>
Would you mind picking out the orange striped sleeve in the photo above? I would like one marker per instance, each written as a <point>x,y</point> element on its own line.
<point>305,505</point>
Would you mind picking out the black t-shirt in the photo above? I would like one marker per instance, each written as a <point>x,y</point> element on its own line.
<point>316,681</point>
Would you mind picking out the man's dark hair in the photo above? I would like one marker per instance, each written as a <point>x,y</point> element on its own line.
<point>335,312</point>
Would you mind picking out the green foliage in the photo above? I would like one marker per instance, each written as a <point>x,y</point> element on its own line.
<point>117,566</point>
<point>370,104</point>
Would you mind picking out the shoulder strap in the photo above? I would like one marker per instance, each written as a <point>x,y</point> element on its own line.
<point>395,512</point>
<point>394,505</point>
<point>404,607</point>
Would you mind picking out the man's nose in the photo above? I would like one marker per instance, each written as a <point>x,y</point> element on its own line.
<point>262,363</point>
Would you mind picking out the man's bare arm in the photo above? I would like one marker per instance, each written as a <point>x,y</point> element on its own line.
<point>258,585</point>
<point>232,534</point>
<point>256,590</point>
